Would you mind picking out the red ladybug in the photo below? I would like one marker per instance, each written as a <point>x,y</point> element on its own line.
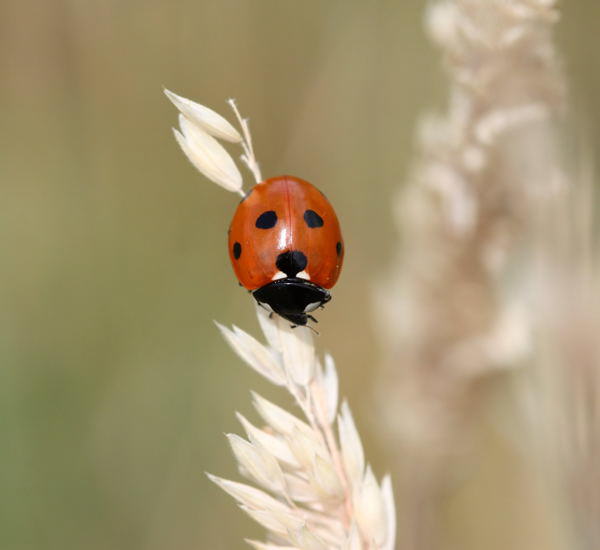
<point>286,247</point>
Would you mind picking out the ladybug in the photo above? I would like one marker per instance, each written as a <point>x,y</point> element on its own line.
<point>286,247</point>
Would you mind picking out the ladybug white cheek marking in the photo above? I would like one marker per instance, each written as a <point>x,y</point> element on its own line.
<point>303,275</point>
<point>279,275</point>
<point>311,307</point>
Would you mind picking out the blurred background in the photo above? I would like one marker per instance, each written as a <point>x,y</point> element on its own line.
<point>115,388</point>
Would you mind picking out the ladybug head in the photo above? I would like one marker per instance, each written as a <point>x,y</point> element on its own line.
<point>292,298</point>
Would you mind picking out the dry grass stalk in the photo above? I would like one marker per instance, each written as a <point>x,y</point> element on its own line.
<point>451,312</point>
<point>317,491</point>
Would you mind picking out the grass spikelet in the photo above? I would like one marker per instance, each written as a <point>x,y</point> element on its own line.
<point>323,495</point>
<point>200,128</point>
<point>203,117</point>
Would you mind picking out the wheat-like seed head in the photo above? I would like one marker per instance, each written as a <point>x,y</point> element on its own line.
<point>450,312</point>
<point>318,491</point>
<point>455,307</point>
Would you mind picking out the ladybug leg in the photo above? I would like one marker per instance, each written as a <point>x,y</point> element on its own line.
<point>265,308</point>
<point>307,326</point>
<point>312,318</point>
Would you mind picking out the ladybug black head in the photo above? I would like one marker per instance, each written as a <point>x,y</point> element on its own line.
<point>292,298</point>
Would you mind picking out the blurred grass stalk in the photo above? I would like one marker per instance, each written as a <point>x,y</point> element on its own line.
<point>562,394</point>
<point>454,308</point>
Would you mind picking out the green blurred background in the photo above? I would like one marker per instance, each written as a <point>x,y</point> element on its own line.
<point>115,388</point>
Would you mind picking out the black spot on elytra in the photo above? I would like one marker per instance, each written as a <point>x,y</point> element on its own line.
<point>266,220</point>
<point>313,219</point>
<point>291,262</point>
<point>338,248</point>
<point>237,250</point>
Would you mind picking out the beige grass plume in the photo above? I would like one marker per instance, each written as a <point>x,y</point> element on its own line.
<point>316,490</point>
<point>453,309</point>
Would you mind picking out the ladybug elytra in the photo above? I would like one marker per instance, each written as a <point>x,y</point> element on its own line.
<point>286,247</point>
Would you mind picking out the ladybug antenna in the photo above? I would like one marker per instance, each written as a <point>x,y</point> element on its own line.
<point>315,331</point>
